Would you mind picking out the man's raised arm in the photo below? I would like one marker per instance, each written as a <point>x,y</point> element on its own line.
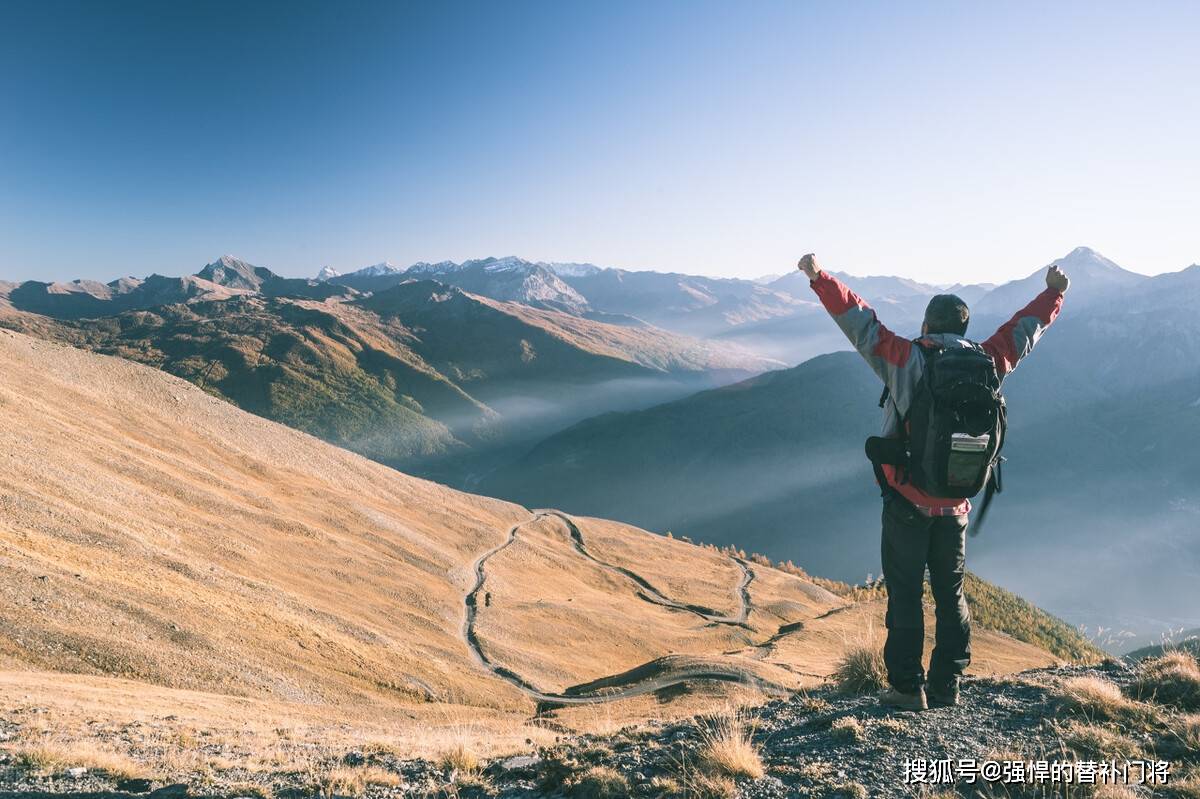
<point>1016,337</point>
<point>886,352</point>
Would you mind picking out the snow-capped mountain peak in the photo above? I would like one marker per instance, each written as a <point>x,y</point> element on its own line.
<point>426,268</point>
<point>327,272</point>
<point>232,272</point>
<point>1086,257</point>
<point>230,262</point>
<point>572,269</point>
<point>381,268</point>
<point>1093,277</point>
<point>510,263</point>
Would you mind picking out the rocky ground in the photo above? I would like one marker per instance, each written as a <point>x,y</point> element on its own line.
<point>820,744</point>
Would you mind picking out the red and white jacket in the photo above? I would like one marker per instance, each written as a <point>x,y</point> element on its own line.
<point>900,364</point>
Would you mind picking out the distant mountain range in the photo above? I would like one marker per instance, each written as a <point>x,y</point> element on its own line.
<point>416,373</point>
<point>686,304</point>
<point>224,278</point>
<point>699,306</point>
<point>1100,510</point>
<point>510,279</point>
<point>776,317</point>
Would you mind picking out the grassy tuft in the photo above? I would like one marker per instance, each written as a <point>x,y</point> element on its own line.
<point>1187,787</point>
<point>849,790</point>
<point>813,704</point>
<point>666,786</point>
<point>1173,679</point>
<point>601,782</point>
<point>697,783</point>
<point>847,729</point>
<point>1099,742</point>
<point>1098,699</point>
<point>460,758</point>
<point>355,780</point>
<point>1189,731</point>
<point>342,782</point>
<point>472,780</point>
<point>727,749</point>
<point>893,724</point>
<point>49,758</point>
<point>249,790</point>
<point>861,669</point>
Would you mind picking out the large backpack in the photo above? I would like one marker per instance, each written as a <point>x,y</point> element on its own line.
<point>955,426</point>
<point>956,422</point>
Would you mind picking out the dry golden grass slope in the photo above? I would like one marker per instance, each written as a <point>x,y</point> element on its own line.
<point>166,553</point>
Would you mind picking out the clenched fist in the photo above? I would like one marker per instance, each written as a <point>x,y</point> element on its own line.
<point>1056,278</point>
<point>808,265</point>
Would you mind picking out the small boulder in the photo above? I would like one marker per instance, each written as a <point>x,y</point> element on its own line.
<point>520,762</point>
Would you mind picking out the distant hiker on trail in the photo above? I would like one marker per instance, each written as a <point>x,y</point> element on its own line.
<point>943,427</point>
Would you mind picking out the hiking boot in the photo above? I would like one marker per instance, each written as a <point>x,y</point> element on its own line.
<point>945,695</point>
<point>904,701</point>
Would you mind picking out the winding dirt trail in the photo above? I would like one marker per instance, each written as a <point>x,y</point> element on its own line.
<point>649,677</point>
<point>651,594</point>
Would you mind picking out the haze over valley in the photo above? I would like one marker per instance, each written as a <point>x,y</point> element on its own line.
<point>543,383</point>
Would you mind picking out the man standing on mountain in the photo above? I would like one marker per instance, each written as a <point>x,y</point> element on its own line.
<point>919,529</point>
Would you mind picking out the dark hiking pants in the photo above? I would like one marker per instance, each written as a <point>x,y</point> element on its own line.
<point>912,541</point>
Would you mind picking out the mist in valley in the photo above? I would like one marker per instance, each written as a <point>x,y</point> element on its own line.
<point>1099,515</point>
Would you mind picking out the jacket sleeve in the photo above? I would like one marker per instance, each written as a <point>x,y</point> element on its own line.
<point>1016,337</point>
<point>889,355</point>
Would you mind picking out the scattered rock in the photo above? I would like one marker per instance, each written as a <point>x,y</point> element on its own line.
<point>824,744</point>
<point>520,763</point>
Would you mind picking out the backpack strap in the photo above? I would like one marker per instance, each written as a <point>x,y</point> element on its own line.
<point>885,488</point>
<point>887,392</point>
<point>995,485</point>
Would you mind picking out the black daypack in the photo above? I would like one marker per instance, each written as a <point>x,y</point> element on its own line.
<point>954,429</point>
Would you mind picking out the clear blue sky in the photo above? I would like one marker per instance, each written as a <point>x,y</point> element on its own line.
<point>951,141</point>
